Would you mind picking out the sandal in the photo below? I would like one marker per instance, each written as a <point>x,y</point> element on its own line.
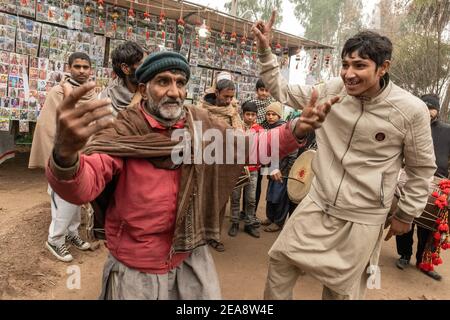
<point>272,228</point>
<point>433,274</point>
<point>266,222</point>
<point>216,245</point>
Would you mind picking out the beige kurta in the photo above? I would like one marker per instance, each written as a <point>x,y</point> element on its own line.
<point>336,252</point>
<point>44,133</point>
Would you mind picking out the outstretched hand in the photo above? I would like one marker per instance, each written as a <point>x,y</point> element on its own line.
<point>263,30</point>
<point>74,126</point>
<point>313,116</point>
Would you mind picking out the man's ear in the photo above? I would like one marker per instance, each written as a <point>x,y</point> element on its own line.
<point>143,91</point>
<point>125,68</point>
<point>385,67</point>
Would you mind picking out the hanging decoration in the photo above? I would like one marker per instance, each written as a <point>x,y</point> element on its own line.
<point>115,16</point>
<point>233,36</point>
<point>131,14</point>
<point>278,47</point>
<point>440,241</point>
<point>147,17</point>
<point>131,19</point>
<point>147,22</point>
<point>314,61</point>
<point>50,13</point>
<point>181,27</point>
<point>101,17</point>
<point>162,25</point>
<point>243,42</point>
<point>254,50</point>
<point>285,57</point>
<point>100,5</point>
<point>327,60</point>
<point>223,37</point>
<point>65,6</point>
<point>297,58</point>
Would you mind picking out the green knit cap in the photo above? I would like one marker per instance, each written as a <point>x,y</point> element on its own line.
<point>158,62</point>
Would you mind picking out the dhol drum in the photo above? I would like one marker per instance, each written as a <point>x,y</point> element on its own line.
<point>301,176</point>
<point>431,213</point>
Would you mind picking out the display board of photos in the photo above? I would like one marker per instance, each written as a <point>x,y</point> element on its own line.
<point>102,77</point>
<point>116,22</point>
<point>185,48</point>
<point>140,27</point>
<point>44,75</point>
<point>200,80</point>
<point>245,87</point>
<point>50,11</point>
<point>113,44</point>
<point>16,103</point>
<point>18,74</point>
<point>21,7</point>
<point>8,25</point>
<point>28,36</point>
<point>59,43</point>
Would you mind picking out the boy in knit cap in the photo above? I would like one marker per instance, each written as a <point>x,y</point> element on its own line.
<point>277,207</point>
<point>249,111</point>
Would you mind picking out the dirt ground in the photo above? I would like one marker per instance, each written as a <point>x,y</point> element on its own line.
<point>29,271</point>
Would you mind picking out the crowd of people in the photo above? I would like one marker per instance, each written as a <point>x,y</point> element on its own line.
<point>161,216</point>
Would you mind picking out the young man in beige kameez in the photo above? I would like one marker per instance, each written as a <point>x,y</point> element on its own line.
<point>335,233</point>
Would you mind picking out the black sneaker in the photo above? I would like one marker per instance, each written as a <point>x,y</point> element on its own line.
<point>60,252</point>
<point>251,230</point>
<point>402,263</point>
<point>78,243</point>
<point>433,274</point>
<point>256,223</point>
<point>234,228</point>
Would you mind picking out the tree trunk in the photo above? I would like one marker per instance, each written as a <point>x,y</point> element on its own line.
<point>444,116</point>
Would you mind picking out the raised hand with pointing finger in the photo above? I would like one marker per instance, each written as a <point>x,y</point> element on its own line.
<point>75,125</point>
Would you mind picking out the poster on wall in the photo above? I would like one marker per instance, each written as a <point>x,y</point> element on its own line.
<point>8,25</point>
<point>21,7</point>
<point>28,35</point>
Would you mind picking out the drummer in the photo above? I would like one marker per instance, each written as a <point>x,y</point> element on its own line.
<point>441,141</point>
<point>278,203</point>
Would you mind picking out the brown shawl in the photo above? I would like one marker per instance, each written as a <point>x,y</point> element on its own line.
<point>45,131</point>
<point>229,113</point>
<point>204,189</point>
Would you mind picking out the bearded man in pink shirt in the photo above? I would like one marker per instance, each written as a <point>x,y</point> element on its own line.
<point>161,211</point>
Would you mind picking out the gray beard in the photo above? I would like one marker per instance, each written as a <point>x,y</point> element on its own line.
<point>167,117</point>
